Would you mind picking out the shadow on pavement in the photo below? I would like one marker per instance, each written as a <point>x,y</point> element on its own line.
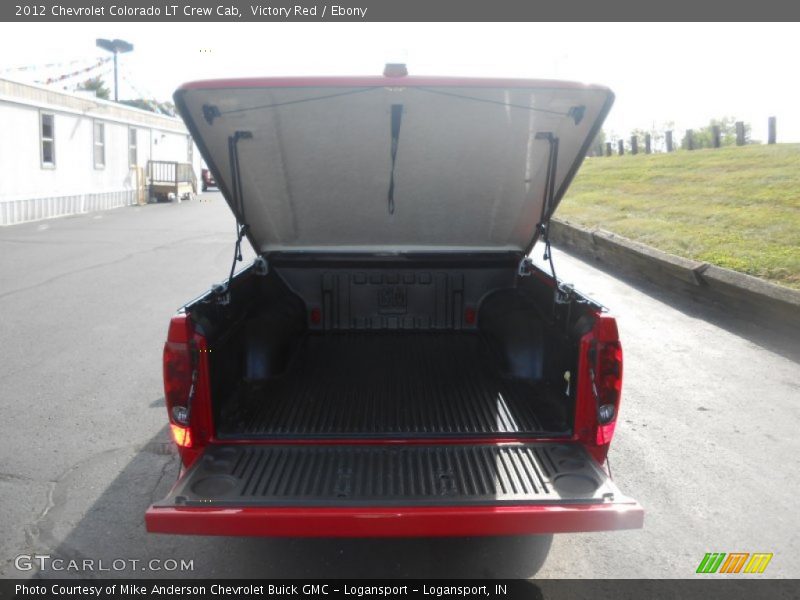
<point>779,342</point>
<point>113,528</point>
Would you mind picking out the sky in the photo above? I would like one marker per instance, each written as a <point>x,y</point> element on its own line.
<point>682,73</point>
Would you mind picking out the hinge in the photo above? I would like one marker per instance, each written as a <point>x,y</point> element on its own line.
<point>525,267</point>
<point>260,266</point>
<point>565,293</point>
<point>221,293</point>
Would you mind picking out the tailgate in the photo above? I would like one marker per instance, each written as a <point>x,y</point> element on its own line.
<point>393,490</point>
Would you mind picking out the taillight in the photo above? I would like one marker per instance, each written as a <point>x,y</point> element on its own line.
<point>180,376</point>
<point>181,435</point>
<point>600,388</point>
<point>608,383</point>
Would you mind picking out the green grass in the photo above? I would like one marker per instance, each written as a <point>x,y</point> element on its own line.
<point>736,207</point>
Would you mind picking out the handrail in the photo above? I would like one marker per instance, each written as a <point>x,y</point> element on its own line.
<point>165,171</point>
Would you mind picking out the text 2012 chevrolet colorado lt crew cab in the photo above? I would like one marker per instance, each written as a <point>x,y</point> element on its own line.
<point>392,364</point>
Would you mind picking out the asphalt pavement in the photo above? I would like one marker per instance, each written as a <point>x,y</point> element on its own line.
<point>707,439</point>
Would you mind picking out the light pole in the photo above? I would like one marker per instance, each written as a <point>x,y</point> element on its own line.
<point>116,47</point>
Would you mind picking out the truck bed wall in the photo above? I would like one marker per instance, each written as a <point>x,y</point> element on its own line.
<point>394,298</point>
<point>256,335</point>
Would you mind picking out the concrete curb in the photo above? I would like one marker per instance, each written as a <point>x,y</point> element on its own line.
<point>742,296</point>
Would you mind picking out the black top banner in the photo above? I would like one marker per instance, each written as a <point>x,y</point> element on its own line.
<point>387,10</point>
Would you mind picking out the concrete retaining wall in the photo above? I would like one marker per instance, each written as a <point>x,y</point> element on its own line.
<point>742,296</point>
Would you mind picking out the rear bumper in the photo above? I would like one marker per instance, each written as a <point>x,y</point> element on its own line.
<point>396,522</point>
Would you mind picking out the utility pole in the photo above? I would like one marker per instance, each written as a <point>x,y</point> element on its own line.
<point>116,47</point>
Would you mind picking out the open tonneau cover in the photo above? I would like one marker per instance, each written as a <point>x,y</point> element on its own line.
<point>392,164</point>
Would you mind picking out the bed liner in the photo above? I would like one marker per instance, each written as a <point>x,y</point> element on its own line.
<point>391,385</point>
<point>341,475</point>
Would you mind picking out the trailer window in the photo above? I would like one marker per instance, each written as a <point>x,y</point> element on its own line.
<point>133,154</point>
<point>99,145</point>
<point>47,135</point>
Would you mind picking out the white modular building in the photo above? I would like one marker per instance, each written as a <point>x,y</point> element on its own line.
<point>63,153</point>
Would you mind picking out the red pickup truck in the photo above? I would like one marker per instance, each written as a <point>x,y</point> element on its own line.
<point>392,363</point>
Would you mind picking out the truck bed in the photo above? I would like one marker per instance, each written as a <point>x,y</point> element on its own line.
<point>391,385</point>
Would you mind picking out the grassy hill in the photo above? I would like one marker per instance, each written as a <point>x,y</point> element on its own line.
<point>736,207</point>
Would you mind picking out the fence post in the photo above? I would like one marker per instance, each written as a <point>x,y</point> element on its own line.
<point>773,130</point>
<point>689,139</point>
<point>740,133</point>
<point>647,148</point>
<point>634,145</point>
<point>608,148</point>
<point>668,140</point>
<point>715,136</point>
<point>621,147</point>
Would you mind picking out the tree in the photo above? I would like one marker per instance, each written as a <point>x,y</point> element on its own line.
<point>657,137</point>
<point>168,108</point>
<point>639,133</point>
<point>96,85</point>
<point>599,144</point>
<point>613,138</point>
<point>164,108</point>
<point>704,136</point>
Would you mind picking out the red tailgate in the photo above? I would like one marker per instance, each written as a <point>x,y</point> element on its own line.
<point>375,490</point>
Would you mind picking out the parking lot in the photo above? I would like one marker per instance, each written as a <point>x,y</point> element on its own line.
<point>707,441</point>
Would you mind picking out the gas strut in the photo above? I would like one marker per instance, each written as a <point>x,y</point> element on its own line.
<point>237,200</point>
<point>548,206</point>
